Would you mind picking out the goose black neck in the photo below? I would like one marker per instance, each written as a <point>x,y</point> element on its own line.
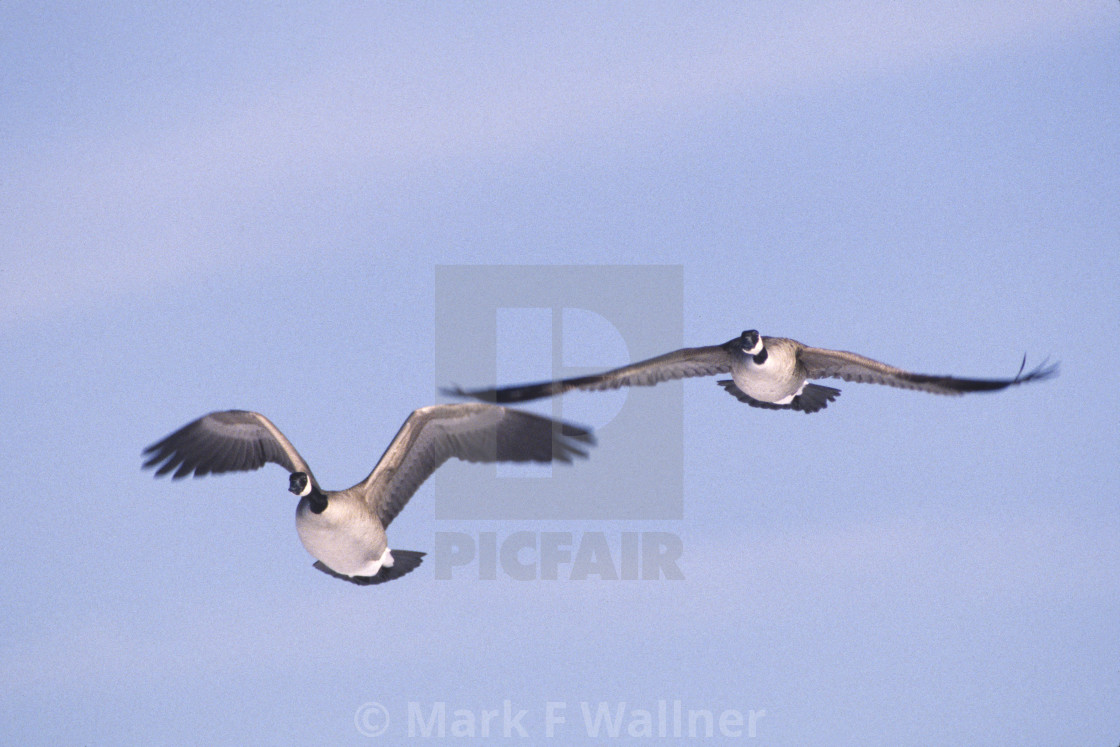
<point>760,357</point>
<point>317,500</point>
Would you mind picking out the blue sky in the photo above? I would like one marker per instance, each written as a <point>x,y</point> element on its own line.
<point>216,207</point>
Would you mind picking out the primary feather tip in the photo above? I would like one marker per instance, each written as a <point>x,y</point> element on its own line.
<point>1041,372</point>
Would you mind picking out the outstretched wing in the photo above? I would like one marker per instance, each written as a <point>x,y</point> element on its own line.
<point>680,364</point>
<point>229,441</point>
<point>820,364</point>
<point>473,432</point>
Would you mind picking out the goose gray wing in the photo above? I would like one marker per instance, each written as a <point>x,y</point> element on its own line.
<point>680,364</point>
<point>822,364</point>
<point>473,432</point>
<point>228,441</point>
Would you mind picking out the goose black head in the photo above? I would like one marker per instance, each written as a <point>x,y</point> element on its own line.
<point>299,484</point>
<point>751,342</point>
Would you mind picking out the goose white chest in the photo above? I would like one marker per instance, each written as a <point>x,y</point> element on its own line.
<point>777,379</point>
<point>344,536</point>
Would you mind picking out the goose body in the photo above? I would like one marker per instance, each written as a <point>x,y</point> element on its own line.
<point>345,536</point>
<point>344,530</point>
<point>768,372</point>
<point>778,378</point>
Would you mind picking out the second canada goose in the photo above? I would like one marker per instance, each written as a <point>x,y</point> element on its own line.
<point>769,372</point>
<point>344,530</point>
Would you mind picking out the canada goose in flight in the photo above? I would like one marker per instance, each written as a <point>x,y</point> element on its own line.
<point>770,372</point>
<point>345,529</point>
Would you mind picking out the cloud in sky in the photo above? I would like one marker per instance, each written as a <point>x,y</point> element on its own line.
<point>133,205</point>
<point>1002,563</point>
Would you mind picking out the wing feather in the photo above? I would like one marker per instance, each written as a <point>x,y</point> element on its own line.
<point>227,441</point>
<point>684,363</point>
<point>840,364</point>
<point>473,432</point>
